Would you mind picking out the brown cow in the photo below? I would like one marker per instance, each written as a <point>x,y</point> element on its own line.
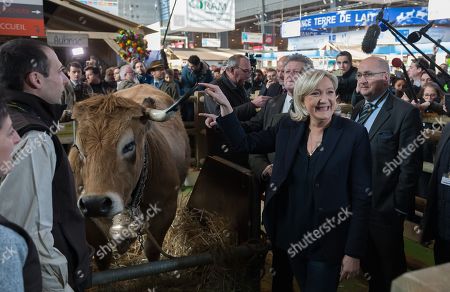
<point>115,139</point>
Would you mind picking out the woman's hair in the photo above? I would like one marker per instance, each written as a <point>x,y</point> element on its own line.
<point>435,86</point>
<point>3,112</point>
<point>305,85</point>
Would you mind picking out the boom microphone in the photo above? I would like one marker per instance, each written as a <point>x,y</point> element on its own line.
<point>415,36</point>
<point>369,42</point>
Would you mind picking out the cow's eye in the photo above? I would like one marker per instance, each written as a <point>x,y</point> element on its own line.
<point>129,147</point>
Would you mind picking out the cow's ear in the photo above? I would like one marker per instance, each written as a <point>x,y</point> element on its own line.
<point>149,102</point>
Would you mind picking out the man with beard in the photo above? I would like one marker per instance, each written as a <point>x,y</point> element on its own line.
<point>142,76</point>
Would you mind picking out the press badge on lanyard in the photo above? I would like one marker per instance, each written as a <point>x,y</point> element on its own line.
<point>446,179</point>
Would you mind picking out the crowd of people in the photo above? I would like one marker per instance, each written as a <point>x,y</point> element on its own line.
<point>312,164</point>
<point>337,190</point>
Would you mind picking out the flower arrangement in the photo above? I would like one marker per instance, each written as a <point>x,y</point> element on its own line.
<point>132,45</point>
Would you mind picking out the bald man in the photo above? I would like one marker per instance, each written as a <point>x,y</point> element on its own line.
<point>394,131</point>
<point>277,88</point>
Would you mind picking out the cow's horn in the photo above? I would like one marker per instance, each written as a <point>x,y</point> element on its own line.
<point>164,115</point>
<point>158,115</point>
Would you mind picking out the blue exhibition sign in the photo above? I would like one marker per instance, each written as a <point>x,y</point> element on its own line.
<point>398,16</point>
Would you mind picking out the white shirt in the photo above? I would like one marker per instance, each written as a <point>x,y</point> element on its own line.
<point>26,196</point>
<point>287,103</point>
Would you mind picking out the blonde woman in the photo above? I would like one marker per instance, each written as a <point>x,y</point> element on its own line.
<point>318,200</point>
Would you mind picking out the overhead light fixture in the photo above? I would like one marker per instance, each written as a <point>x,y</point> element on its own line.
<point>77,51</point>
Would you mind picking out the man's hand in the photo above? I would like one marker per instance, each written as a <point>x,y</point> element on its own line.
<point>267,172</point>
<point>260,101</point>
<point>349,268</point>
<point>210,119</point>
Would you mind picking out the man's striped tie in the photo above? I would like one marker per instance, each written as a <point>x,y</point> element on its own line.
<point>366,112</point>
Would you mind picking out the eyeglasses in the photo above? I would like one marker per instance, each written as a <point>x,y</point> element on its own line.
<point>430,95</point>
<point>245,70</point>
<point>367,75</point>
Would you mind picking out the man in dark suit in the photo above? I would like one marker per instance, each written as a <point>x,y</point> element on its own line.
<point>262,164</point>
<point>232,84</point>
<point>394,127</point>
<point>436,221</point>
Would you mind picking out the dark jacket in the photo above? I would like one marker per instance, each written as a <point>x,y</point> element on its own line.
<point>267,117</point>
<point>125,84</point>
<point>396,127</point>
<point>244,110</point>
<point>272,91</point>
<point>429,222</point>
<point>347,84</point>
<point>237,97</point>
<point>342,177</point>
<point>33,113</point>
<point>171,89</point>
<point>102,88</point>
<point>190,78</point>
<point>32,279</point>
<point>145,78</point>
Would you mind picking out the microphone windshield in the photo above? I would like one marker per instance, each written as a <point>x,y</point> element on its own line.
<point>414,37</point>
<point>369,42</point>
<point>397,63</point>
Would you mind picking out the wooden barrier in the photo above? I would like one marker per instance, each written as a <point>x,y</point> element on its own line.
<point>196,129</point>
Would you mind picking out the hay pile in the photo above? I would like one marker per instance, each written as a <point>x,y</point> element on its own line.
<point>192,232</point>
<point>196,231</point>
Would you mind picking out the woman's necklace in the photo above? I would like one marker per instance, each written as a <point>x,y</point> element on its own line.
<point>317,144</point>
<point>314,142</point>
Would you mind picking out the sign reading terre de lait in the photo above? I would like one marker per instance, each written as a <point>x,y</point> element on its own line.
<point>22,18</point>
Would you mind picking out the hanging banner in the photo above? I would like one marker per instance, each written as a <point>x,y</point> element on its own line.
<point>398,16</point>
<point>203,15</point>
<point>22,18</point>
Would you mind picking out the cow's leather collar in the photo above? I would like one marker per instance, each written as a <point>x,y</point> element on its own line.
<point>136,195</point>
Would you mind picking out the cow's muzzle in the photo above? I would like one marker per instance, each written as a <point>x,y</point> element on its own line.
<point>96,205</point>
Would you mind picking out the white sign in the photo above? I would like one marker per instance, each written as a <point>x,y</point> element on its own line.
<point>290,29</point>
<point>252,37</point>
<point>74,40</point>
<point>210,43</point>
<point>203,15</point>
<point>435,10</point>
